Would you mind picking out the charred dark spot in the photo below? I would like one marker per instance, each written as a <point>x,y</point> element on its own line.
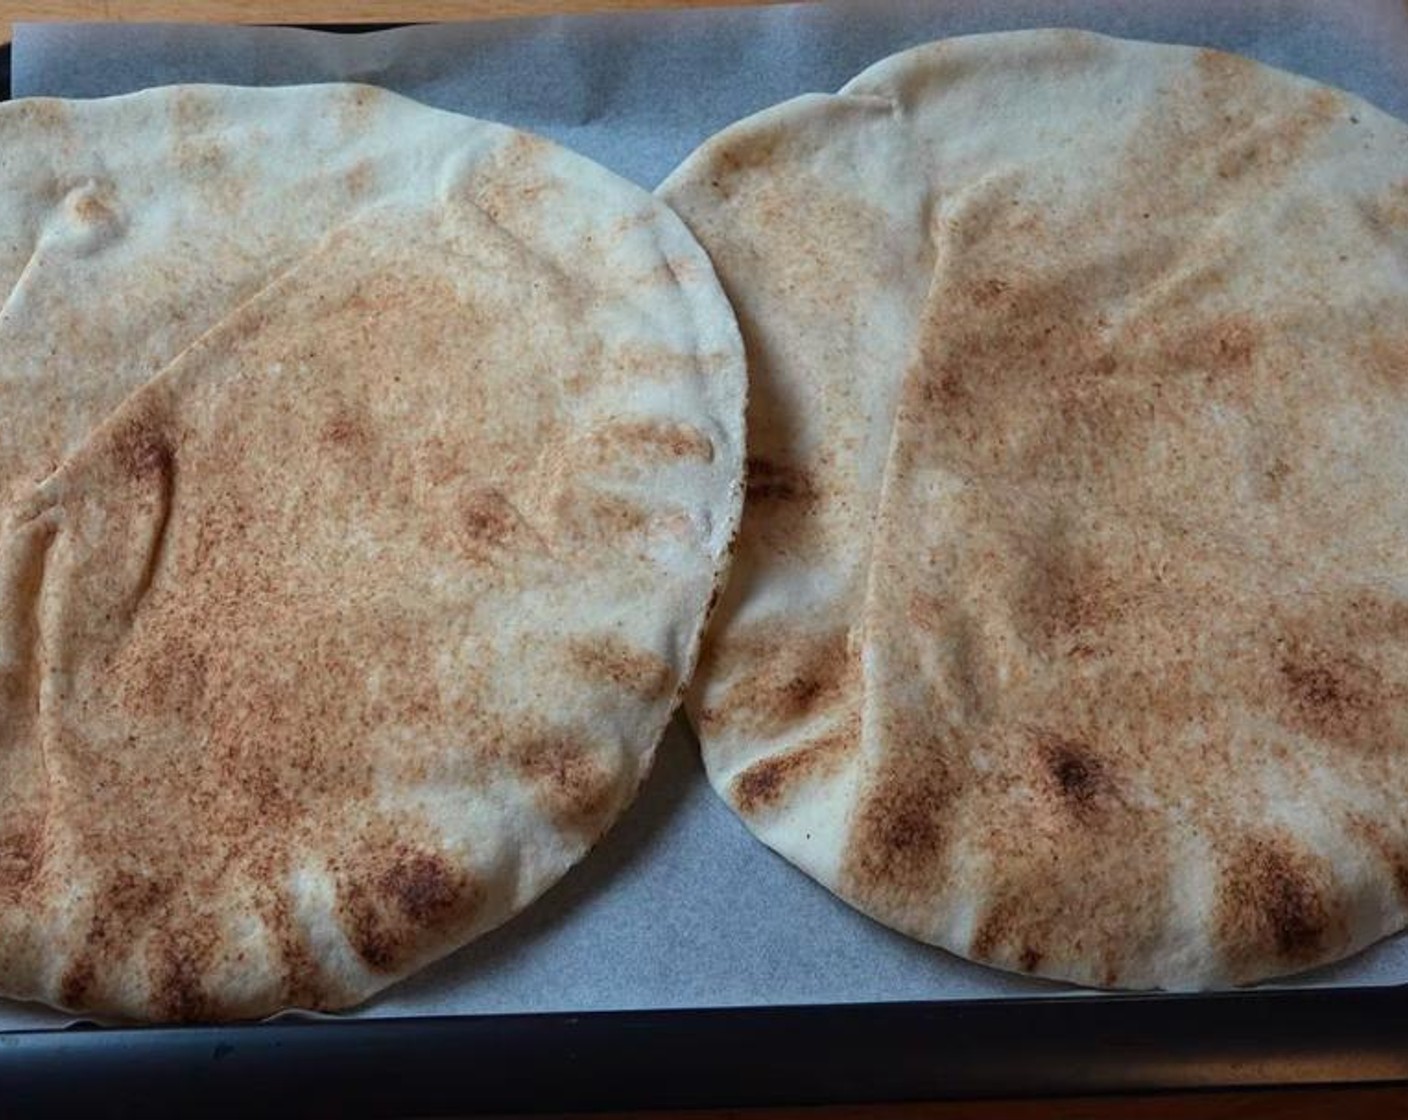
<point>1076,777</point>
<point>1030,959</point>
<point>1076,774</point>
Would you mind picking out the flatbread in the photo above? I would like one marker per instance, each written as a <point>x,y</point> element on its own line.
<point>1108,680</point>
<point>347,634</point>
<point>166,209</point>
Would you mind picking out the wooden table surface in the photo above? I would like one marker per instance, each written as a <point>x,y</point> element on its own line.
<point>317,11</point>
<point>1304,1104</point>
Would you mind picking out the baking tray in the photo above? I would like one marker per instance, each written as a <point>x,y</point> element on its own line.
<point>715,1057</point>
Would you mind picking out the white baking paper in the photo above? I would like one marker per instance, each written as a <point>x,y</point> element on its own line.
<point>679,906</point>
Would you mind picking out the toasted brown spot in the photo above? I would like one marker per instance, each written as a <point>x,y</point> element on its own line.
<point>642,672</point>
<point>942,388</point>
<point>482,523</point>
<point>416,899</point>
<point>178,961</point>
<point>1272,481</point>
<point>1391,211</point>
<point>929,612</point>
<point>191,109</point>
<point>142,448</point>
<point>524,180</point>
<point>360,178</point>
<point>129,897</point>
<point>997,928</point>
<point>676,441</point>
<point>368,934</point>
<point>46,113</point>
<point>126,903</point>
<point>1334,695</point>
<point>76,982</point>
<point>573,786</point>
<point>1223,66</point>
<point>1250,149</point>
<point>766,783</point>
<point>989,291</point>
<point>745,158</point>
<point>1235,342</point>
<point>168,676</point>
<point>201,158</point>
<point>488,517</point>
<point>631,223</point>
<point>1271,901</point>
<point>422,886</point>
<point>792,678</point>
<point>1393,852</point>
<point>21,856</point>
<point>1071,598</point>
<point>1386,357</point>
<point>1030,959</point>
<point>345,429</point>
<point>898,848</point>
<point>776,482</point>
<point>636,361</point>
<point>91,210</point>
<point>599,516</point>
<point>355,109</point>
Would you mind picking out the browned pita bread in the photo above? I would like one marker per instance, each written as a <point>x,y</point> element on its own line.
<point>1109,680</point>
<point>345,636</point>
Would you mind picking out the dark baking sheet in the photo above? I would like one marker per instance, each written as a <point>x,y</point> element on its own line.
<point>838,1053</point>
<point>715,1058</point>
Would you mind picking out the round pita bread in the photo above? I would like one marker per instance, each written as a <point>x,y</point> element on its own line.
<point>1069,624</point>
<point>343,637</point>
